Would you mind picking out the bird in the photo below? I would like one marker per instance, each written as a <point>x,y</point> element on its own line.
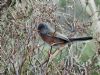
<point>53,38</point>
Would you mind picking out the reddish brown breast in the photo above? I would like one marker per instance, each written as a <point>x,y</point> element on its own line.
<point>52,40</point>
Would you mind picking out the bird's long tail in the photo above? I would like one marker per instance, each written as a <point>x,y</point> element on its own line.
<point>80,39</point>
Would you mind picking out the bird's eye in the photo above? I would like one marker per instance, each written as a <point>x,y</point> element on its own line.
<point>48,34</point>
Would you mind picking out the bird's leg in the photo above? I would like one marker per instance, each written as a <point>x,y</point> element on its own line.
<point>50,51</point>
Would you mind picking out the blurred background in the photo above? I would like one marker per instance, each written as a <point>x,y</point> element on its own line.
<point>23,52</point>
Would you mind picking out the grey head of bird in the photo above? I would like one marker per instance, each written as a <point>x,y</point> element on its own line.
<point>44,29</point>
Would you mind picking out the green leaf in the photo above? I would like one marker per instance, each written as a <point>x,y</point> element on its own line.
<point>97,2</point>
<point>62,3</point>
<point>87,52</point>
<point>94,73</point>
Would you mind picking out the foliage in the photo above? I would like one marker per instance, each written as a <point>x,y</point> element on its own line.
<point>22,50</point>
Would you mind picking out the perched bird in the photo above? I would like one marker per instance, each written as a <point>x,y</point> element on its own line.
<point>53,38</point>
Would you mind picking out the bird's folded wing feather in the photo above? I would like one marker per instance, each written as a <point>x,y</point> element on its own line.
<point>57,35</point>
<point>61,36</point>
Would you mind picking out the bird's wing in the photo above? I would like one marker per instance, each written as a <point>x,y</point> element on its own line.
<point>61,36</point>
<point>57,35</point>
